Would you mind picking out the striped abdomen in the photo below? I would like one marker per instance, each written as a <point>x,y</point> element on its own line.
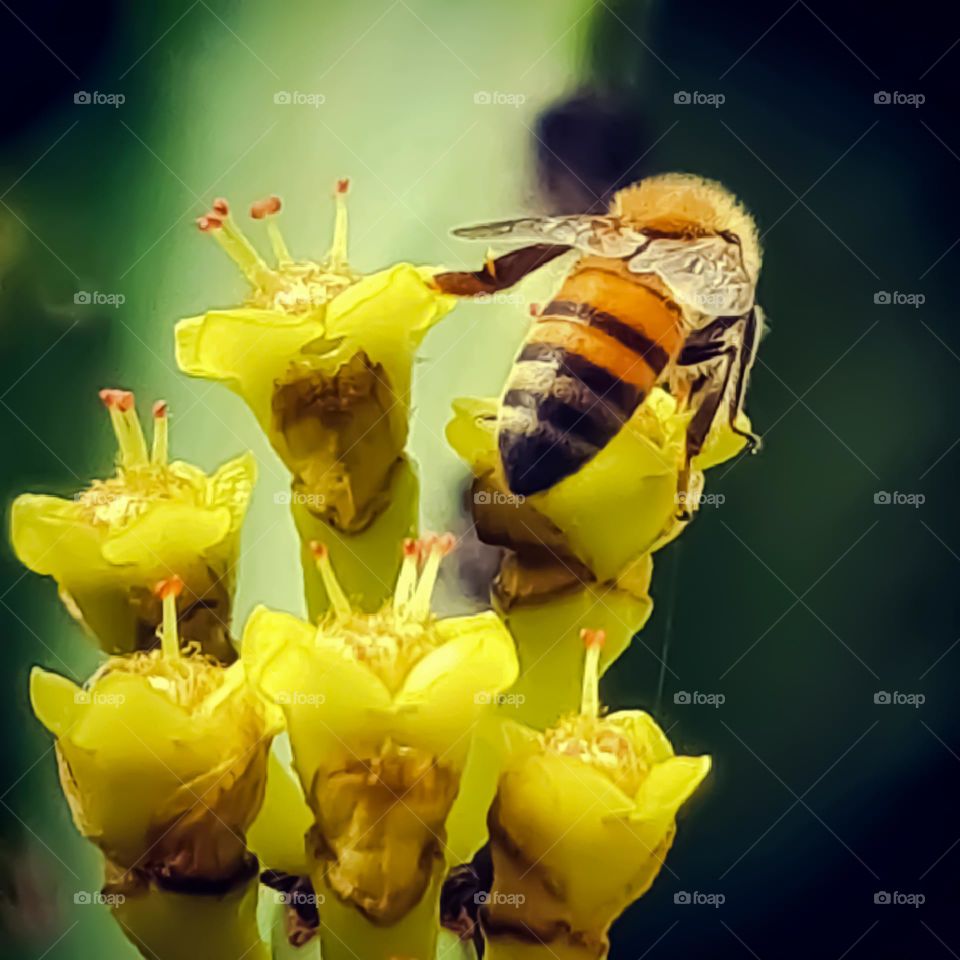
<point>589,360</point>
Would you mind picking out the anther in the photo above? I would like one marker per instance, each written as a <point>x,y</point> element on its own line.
<point>338,599</point>
<point>265,208</point>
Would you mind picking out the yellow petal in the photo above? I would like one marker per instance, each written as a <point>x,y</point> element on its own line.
<point>167,532</point>
<point>446,691</point>
<point>56,701</point>
<point>49,535</point>
<point>246,349</point>
<point>231,486</point>
<point>668,786</point>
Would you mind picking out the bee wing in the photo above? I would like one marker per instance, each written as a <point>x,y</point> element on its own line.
<point>602,236</point>
<point>705,274</point>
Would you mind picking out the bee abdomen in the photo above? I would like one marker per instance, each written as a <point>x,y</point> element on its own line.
<point>558,412</point>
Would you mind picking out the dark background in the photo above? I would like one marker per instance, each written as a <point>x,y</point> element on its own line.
<point>796,600</point>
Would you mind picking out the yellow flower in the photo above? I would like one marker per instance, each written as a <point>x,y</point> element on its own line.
<point>323,357</point>
<point>584,816</point>
<point>380,709</point>
<point>617,507</point>
<point>108,545</point>
<point>162,758</point>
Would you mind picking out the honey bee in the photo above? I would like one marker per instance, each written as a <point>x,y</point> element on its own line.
<point>662,293</point>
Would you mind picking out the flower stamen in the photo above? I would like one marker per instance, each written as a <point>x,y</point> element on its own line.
<point>337,257</point>
<point>160,452</point>
<point>168,590</point>
<point>130,439</point>
<point>338,599</point>
<point>436,548</point>
<point>407,579</point>
<point>266,209</point>
<point>219,223</point>
<point>590,696</point>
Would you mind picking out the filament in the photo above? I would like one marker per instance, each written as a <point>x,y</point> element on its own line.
<point>123,416</point>
<point>168,590</point>
<point>338,599</point>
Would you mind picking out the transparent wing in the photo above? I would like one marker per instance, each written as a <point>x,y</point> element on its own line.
<point>602,236</point>
<point>705,274</point>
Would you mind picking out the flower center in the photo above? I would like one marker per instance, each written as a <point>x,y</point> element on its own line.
<point>190,679</point>
<point>593,740</point>
<point>292,286</point>
<point>392,641</point>
<point>142,478</point>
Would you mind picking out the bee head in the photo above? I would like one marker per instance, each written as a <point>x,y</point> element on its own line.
<point>684,203</point>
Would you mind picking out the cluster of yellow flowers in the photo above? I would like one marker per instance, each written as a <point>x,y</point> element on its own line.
<point>172,755</point>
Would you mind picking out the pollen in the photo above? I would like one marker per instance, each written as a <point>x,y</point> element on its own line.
<point>397,637</point>
<point>592,739</point>
<point>291,286</point>
<point>142,478</point>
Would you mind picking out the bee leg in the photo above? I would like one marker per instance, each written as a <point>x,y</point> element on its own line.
<point>499,274</point>
<point>707,393</point>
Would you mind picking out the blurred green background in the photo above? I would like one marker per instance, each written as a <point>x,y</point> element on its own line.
<point>798,599</point>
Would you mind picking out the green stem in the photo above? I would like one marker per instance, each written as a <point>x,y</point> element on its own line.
<point>366,562</point>
<point>346,933</point>
<point>164,925</point>
<point>547,633</point>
